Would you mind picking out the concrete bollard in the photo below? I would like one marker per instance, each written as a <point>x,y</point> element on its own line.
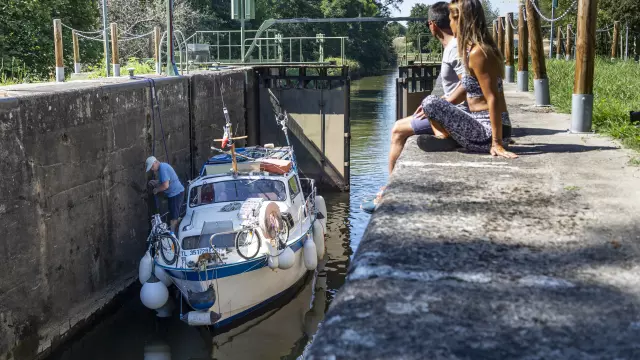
<point>523,81</point>
<point>541,92</point>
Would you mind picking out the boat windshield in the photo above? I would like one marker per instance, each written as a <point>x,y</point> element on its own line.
<point>237,190</point>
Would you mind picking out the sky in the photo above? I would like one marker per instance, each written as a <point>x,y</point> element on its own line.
<point>504,6</point>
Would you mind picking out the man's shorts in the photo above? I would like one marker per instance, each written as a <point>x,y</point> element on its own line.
<point>421,127</point>
<point>175,202</point>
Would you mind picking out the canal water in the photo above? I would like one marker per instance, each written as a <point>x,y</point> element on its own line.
<point>284,330</point>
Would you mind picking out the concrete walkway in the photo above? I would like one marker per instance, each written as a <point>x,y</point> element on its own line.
<point>474,257</point>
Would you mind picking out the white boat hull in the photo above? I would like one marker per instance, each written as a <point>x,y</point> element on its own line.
<point>242,287</point>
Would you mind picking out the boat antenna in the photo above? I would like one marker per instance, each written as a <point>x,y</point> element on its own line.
<point>228,138</point>
<point>282,119</point>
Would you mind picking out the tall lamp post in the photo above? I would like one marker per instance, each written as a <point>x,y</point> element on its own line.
<point>172,70</point>
<point>243,10</point>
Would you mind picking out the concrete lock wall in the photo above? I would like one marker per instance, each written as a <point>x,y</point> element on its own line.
<point>208,92</point>
<point>73,201</point>
<point>306,108</point>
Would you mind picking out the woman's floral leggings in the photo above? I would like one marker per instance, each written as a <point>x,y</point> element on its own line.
<point>471,130</point>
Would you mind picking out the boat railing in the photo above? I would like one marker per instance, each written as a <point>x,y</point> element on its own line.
<point>309,206</point>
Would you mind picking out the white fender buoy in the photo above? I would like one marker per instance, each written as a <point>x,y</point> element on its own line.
<point>321,206</point>
<point>310,254</point>
<point>145,268</point>
<point>286,258</point>
<point>162,275</point>
<point>269,211</point>
<point>153,293</point>
<point>318,239</point>
<point>272,258</point>
<point>167,309</point>
<point>201,318</point>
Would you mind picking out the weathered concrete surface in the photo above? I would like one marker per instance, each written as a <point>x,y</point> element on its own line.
<point>474,257</point>
<point>209,91</point>
<point>305,108</point>
<point>73,201</point>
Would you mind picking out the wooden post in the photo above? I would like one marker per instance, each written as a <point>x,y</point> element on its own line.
<point>614,42</point>
<point>57,37</point>
<point>569,49</point>
<point>582,101</point>
<point>508,49</point>
<point>114,49</point>
<point>234,163</point>
<point>76,53</point>
<point>558,43</point>
<point>523,50</point>
<point>156,48</point>
<point>501,34</point>
<point>495,31</point>
<point>540,80</point>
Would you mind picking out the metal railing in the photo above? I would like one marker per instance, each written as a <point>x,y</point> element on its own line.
<point>281,41</point>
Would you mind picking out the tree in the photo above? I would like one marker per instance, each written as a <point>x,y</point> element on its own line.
<point>490,13</point>
<point>395,29</point>
<point>369,43</point>
<point>26,33</point>
<point>140,17</point>
<point>419,28</point>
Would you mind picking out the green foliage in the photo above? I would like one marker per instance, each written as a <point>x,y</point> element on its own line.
<point>396,29</point>
<point>419,29</point>
<point>490,13</point>
<point>26,33</point>
<point>355,68</point>
<point>616,85</point>
<point>139,66</point>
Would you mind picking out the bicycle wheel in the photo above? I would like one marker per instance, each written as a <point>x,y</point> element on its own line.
<point>247,244</point>
<point>168,247</point>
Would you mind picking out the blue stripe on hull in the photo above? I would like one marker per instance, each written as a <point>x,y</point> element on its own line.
<point>227,270</point>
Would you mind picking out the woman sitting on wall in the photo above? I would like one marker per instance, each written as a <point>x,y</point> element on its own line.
<point>486,128</point>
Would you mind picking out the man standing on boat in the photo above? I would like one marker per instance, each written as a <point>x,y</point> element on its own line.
<point>168,183</point>
<point>451,72</point>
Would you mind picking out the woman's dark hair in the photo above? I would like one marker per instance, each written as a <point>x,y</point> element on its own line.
<point>439,14</point>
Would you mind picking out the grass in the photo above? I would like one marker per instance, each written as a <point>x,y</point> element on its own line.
<point>140,68</point>
<point>13,72</point>
<point>616,93</point>
<point>634,161</point>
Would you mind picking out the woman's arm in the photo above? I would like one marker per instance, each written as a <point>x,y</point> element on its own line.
<point>486,74</point>
<point>458,95</point>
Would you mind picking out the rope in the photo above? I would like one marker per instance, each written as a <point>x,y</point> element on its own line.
<point>136,36</point>
<point>605,29</point>
<point>510,21</point>
<point>79,31</point>
<point>91,38</point>
<point>154,103</point>
<point>533,2</point>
